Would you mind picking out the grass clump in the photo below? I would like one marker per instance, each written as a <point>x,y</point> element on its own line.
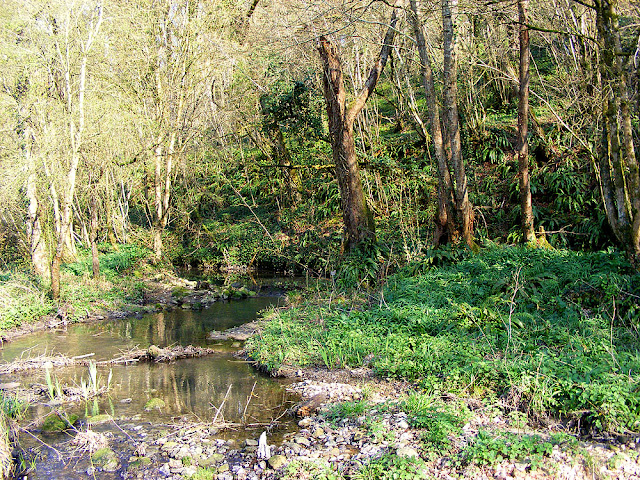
<point>440,420</point>
<point>351,410</point>
<point>311,470</point>
<point>12,407</point>
<point>549,331</point>
<point>22,299</point>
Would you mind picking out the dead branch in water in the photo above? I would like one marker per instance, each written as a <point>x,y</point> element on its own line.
<point>152,354</point>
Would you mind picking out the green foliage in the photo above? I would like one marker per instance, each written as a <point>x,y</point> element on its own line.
<point>113,263</point>
<point>440,420</point>
<point>487,449</point>
<point>340,410</point>
<point>493,146</point>
<point>22,299</point>
<point>12,407</point>
<point>311,470</point>
<point>554,329</point>
<point>392,467</point>
<point>361,266</point>
<point>291,106</point>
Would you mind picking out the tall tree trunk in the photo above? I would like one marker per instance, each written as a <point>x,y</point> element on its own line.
<point>464,209</point>
<point>95,263</point>
<point>618,165</point>
<point>445,228</point>
<point>76,131</point>
<point>526,208</point>
<point>358,219</point>
<point>37,246</point>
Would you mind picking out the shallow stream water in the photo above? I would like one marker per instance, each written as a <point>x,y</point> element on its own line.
<point>192,389</point>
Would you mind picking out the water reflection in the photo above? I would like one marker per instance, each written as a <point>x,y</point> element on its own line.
<point>192,389</point>
<point>106,339</point>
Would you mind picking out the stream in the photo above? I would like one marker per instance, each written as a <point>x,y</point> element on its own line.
<point>192,389</point>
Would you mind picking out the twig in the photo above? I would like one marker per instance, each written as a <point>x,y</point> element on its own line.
<point>42,442</point>
<point>222,404</point>
<point>249,399</point>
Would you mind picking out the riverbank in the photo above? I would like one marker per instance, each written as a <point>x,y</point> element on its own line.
<point>384,429</point>
<point>130,284</point>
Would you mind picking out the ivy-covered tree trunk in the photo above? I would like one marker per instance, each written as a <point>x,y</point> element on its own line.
<point>93,236</point>
<point>464,209</point>
<point>526,208</point>
<point>618,166</point>
<point>359,225</point>
<point>445,230</point>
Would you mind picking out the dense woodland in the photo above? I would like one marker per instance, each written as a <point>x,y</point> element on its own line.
<point>281,134</point>
<point>461,175</point>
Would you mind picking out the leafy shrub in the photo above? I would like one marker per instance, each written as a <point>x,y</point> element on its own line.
<point>342,410</point>
<point>112,263</point>
<point>487,449</point>
<point>440,420</point>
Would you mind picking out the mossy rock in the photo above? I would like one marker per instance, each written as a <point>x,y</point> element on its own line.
<point>55,423</point>
<point>153,404</point>
<point>180,292</point>
<point>98,419</point>
<point>106,459</point>
<point>137,462</point>
<point>277,461</point>
<point>212,460</point>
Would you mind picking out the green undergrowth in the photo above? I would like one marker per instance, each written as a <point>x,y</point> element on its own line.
<point>24,298</point>
<point>549,331</point>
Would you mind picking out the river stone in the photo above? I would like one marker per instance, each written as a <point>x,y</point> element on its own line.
<point>277,461</point>
<point>168,446</point>
<point>9,386</point>
<point>302,441</point>
<point>223,468</point>
<point>215,458</point>
<point>153,404</point>
<point>106,459</point>
<point>251,442</point>
<point>407,452</point>
<point>189,472</point>
<point>318,432</point>
<point>137,462</point>
<point>305,422</point>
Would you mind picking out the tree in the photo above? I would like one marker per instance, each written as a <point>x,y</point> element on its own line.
<point>464,209</point>
<point>526,209</point>
<point>74,107</point>
<point>358,219</point>
<point>445,228</point>
<point>617,165</point>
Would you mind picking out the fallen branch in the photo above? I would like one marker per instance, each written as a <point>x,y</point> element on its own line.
<point>152,354</point>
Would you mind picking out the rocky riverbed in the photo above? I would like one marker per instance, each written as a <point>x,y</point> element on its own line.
<point>345,444</point>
